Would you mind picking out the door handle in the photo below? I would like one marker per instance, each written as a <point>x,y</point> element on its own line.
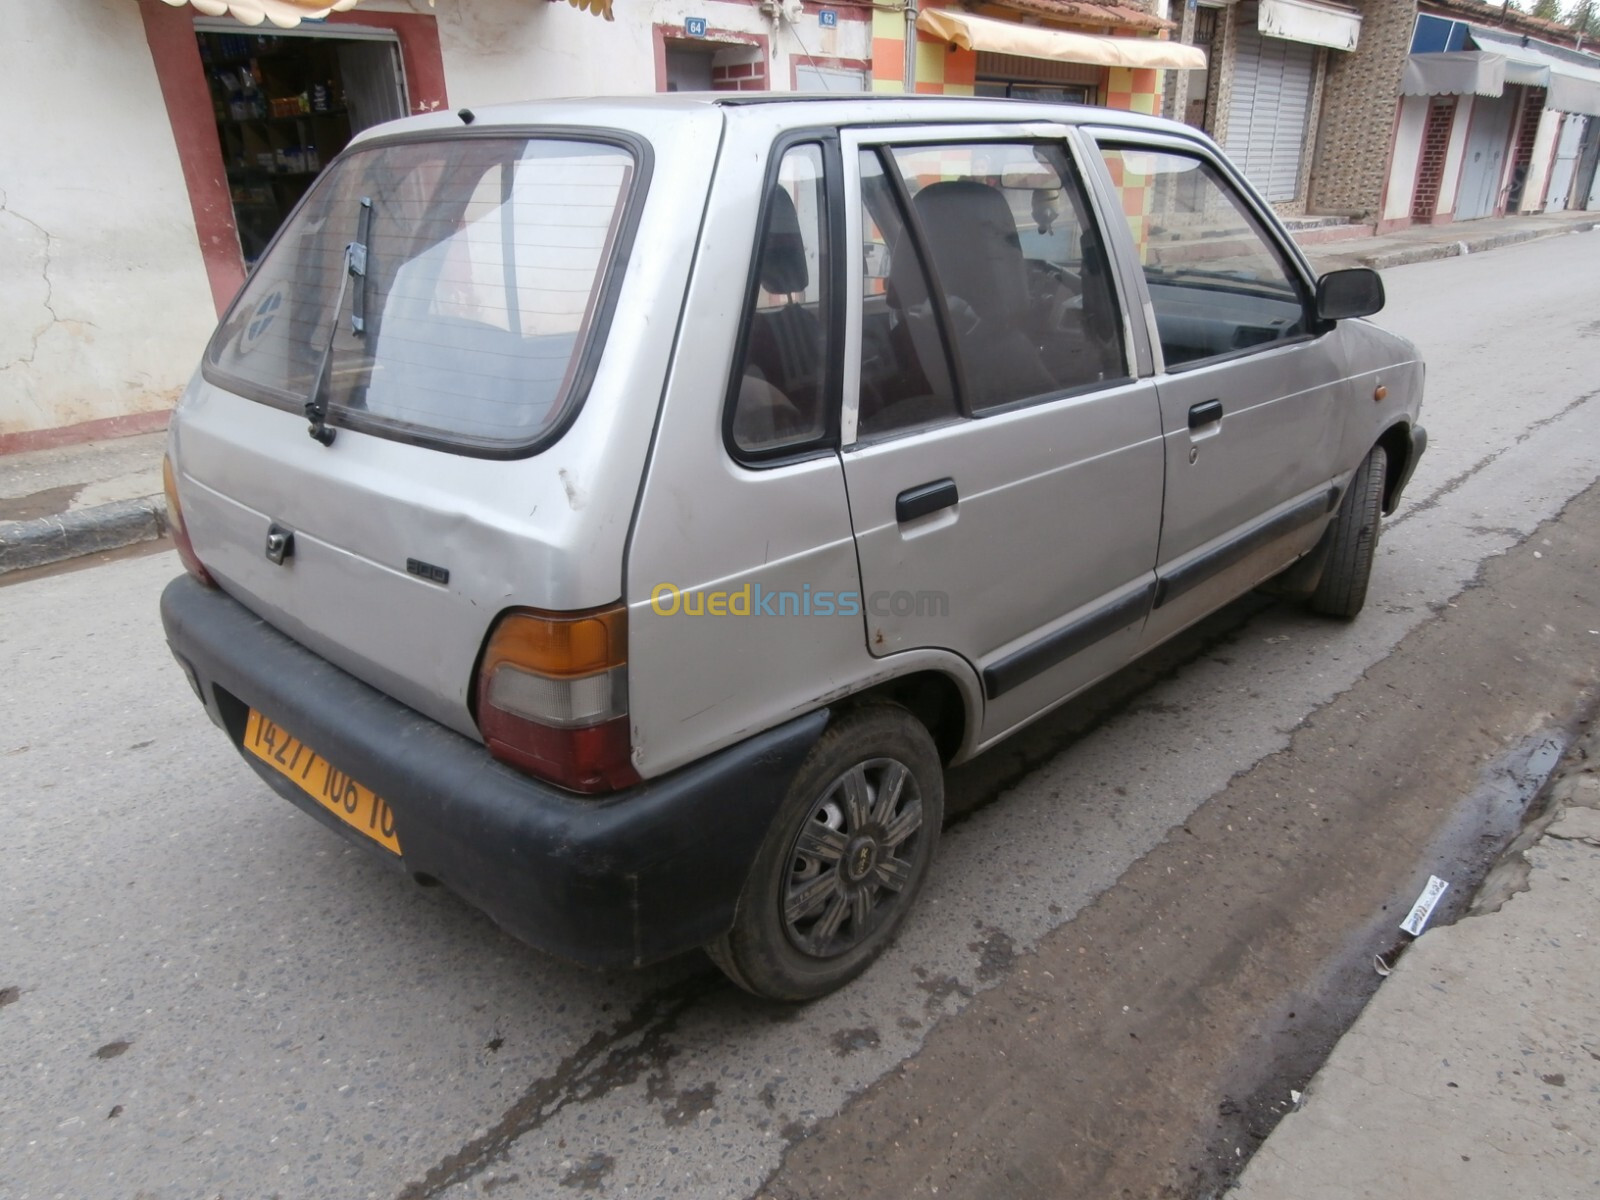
<point>1205,414</point>
<point>924,499</point>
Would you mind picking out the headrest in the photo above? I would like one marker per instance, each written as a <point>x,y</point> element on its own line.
<point>783,251</point>
<point>973,234</point>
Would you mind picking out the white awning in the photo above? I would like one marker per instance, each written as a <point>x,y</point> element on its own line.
<point>1031,41</point>
<point>285,14</point>
<point>1308,21</point>
<point>1571,78</point>
<point>1454,73</point>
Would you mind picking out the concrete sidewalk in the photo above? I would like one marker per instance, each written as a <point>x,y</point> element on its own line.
<point>1474,1072</point>
<point>1423,243</point>
<point>72,501</point>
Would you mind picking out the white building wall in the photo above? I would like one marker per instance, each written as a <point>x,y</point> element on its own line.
<point>497,51</point>
<point>1544,152</point>
<point>104,301</point>
<point>1403,162</point>
<point>105,304</point>
<point>1454,156</point>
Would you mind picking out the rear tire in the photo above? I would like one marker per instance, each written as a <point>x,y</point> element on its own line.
<point>1342,590</point>
<point>843,861</point>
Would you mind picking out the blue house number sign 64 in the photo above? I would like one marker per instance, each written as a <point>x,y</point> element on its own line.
<point>694,26</point>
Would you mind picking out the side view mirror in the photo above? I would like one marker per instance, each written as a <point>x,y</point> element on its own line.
<point>1357,292</point>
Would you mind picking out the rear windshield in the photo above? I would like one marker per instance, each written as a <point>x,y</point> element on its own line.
<point>446,291</point>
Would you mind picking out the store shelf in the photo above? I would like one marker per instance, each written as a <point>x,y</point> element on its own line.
<point>305,116</point>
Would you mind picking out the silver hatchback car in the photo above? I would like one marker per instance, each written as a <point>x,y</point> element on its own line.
<point>621,511</point>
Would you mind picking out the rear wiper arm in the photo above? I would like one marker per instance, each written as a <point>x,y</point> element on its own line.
<point>355,264</point>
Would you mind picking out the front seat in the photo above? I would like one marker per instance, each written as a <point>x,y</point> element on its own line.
<point>973,236</point>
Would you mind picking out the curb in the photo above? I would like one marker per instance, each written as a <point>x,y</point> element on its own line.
<point>46,540</point>
<point>1416,254</point>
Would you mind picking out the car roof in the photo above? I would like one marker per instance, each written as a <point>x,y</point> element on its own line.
<point>810,110</point>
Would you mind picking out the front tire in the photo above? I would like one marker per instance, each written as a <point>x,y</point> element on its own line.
<point>843,861</point>
<point>1342,590</point>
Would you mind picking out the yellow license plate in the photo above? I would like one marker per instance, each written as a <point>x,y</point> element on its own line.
<point>330,787</point>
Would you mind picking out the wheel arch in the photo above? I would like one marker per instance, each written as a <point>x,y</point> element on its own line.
<point>947,703</point>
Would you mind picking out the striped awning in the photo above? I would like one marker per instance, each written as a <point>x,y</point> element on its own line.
<point>1031,41</point>
<point>1101,14</point>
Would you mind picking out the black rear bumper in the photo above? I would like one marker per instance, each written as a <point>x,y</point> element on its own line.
<point>618,880</point>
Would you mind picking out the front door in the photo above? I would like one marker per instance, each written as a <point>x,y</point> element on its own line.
<point>1250,393</point>
<point>1004,467</point>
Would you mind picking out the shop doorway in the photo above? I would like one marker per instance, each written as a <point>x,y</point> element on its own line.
<point>1273,81</point>
<point>285,104</point>
<point>1037,79</point>
<point>1487,141</point>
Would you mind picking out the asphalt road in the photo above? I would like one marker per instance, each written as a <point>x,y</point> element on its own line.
<point>203,993</point>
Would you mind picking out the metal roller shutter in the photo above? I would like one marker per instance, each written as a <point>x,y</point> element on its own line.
<point>1272,80</point>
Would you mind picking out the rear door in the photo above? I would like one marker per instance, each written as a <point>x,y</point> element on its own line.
<point>1252,394</point>
<point>1003,462</point>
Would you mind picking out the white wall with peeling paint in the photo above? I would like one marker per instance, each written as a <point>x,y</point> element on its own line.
<point>105,305</point>
<point>498,51</point>
<point>104,302</point>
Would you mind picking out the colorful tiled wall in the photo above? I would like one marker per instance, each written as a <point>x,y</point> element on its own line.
<point>944,70</point>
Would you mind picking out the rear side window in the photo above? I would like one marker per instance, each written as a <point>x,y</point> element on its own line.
<point>780,400</point>
<point>447,291</point>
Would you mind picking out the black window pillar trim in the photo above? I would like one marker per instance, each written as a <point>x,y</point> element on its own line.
<point>826,139</point>
<point>930,272</point>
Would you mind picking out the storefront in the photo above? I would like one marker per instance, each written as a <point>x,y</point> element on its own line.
<point>287,102</point>
<point>1074,51</point>
<point>1491,122</point>
<point>1279,52</point>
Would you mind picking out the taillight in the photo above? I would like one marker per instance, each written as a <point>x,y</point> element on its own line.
<point>180,533</point>
<point>552,695</point>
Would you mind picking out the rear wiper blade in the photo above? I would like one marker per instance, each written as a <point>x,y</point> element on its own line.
<point>355,265</point>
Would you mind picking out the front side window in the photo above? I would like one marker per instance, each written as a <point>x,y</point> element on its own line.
<point>1023,275</point>
<point>446,290</point>
<point>1217,284</point>
<point>780,390</point>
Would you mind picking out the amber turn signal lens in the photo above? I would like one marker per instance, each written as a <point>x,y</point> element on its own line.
<point>559,645</point>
